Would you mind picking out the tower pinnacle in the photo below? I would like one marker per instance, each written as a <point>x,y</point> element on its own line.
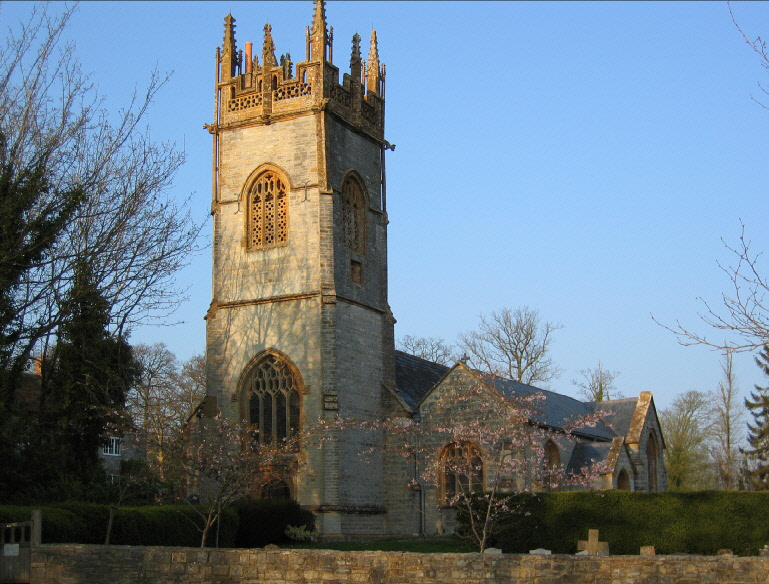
<point>373,72</point>
<point>355,62</point>
<point>229,53</point>
<point>319,32</point>
<point>268,48</point>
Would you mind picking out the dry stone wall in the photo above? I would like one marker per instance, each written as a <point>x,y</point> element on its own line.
<point>59,564</point>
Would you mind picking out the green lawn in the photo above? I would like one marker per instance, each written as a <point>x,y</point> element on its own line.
<point>418,545</point>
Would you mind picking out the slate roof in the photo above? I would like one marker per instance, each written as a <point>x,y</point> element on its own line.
<point>621,413</point>
<point>415,377</point>
<point>584,453</point>
<point>556,410</point>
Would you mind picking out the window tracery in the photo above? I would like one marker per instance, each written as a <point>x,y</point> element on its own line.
<point>273,400</point>
<point>354,215</point>
<point>267,211</point>
<point>461,471</point>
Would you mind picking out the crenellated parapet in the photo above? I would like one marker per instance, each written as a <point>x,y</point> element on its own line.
<point>254,89</point>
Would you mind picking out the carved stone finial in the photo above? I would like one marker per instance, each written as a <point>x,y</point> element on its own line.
<point>268,48</point>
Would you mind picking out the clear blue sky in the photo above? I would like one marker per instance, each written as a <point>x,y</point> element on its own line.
<point>580,158</point>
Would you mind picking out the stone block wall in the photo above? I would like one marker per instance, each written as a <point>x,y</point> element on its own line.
<point>57,564</point>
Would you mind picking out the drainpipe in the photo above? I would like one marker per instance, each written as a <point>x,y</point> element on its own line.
<point>422,520</point>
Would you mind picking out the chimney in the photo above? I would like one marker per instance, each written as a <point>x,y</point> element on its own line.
<point>249,58</point>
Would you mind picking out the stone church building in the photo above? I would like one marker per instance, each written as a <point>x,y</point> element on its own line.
<point>300,330</point>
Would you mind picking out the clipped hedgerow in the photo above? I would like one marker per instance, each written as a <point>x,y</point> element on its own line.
<point>697,522</point>
<point>163,525</point>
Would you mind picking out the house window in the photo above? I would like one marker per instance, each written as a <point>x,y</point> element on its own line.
<point>112,447</point>
<point>354,215</point>
<point>267,211</point>
<point>462,471</point>
<point>273,400</point>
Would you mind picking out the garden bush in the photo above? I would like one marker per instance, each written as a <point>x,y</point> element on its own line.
<point>263,522</point>
<point>169,525</point>
<point>697,522</point>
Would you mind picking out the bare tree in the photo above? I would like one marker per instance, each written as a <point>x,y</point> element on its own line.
<point>428,348</point>
<point>598,384</point>
<point>759,47</point>
<point>744,311</point>
<point>513,343</point>
<point>160,404</point>
<point>686,427</point>
<point>122,222</point>
<point>192,384</point>
<point>726,417</point>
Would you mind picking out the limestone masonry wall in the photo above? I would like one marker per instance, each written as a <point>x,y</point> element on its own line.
<point>58,564</point>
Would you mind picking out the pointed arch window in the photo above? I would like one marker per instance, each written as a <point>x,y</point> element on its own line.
<point>552,467</point>
<point>461,471</point>
<point>623,481</point>
<point>273,399</point>
<point>354,215</point>
<point>652,463</point>
<point>267,211</point>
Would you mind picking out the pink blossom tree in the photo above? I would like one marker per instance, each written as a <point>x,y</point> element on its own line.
<point>476,448</point>
<point>225,461</point>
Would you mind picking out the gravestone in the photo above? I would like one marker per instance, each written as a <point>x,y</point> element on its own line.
<point>592,546</point>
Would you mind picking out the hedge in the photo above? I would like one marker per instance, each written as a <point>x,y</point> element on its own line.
<point>248,524</point>
<point>696,522</point>
<point>264,522</point>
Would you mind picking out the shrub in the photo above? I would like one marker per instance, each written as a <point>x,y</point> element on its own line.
<point>698,522</point>
<point>263,522</point>
<point>77,522</point>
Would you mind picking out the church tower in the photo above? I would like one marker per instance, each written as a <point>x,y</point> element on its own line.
<point>299,330</point>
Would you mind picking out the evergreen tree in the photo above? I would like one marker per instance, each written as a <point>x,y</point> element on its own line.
<point>32,216</point>
<point>758,432</point>
<point>92,371</point>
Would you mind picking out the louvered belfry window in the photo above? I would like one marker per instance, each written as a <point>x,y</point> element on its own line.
<point>268,211</point>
